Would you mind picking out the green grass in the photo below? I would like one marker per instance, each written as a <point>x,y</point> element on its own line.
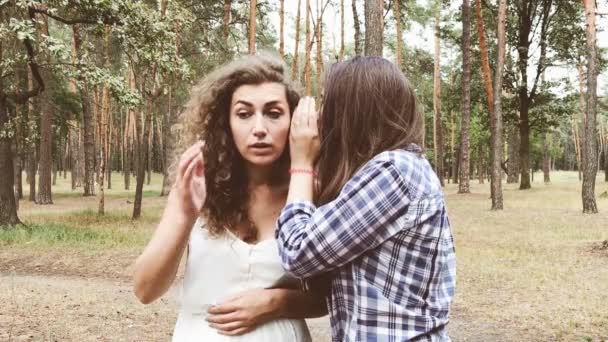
<point>52,234</point>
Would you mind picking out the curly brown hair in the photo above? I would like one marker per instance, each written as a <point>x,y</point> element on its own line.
<point>206,117</point>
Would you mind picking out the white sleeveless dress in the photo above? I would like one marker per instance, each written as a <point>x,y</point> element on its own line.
<point>218,268</point>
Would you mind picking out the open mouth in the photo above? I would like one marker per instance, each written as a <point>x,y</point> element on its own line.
<point>260,146</point>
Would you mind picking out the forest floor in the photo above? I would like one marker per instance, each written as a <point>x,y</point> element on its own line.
<point>536,271</point>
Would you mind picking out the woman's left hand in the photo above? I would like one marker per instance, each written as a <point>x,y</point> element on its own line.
<point>304,134</point>
<point>244,312</point>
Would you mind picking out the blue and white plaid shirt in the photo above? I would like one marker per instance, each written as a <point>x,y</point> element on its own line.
<point>387,240</point>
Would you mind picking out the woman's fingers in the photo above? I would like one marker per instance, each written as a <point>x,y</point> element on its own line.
<point>188,174</point>
<point>188,155</point>
<point>235,332</point>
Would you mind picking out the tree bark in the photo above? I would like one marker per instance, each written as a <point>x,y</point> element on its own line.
<point>103,129</point>
<point>437,121</point>
<point>374,27</point>
<point>8,206</point>
<point>485,63</point>
<point>546,160</point>
<point>398,46</point>
<point>227,10</point>
<point>252,21</point>
<point>282,28</point>
<point>590,139</point>
<point>496,114</point>
<point>463,184</point>
<point>46,135</point>
<point>480,164</point>
<point>308,47</point>
<point>319,59</point>
<point>294,70</point>
<point>357,29</point>
<point>341,55</point>
<point>88,126</point>
<point>513,152</point>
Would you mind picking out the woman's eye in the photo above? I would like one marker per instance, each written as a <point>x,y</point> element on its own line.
<point>243,115</point>
<point>275,114</point>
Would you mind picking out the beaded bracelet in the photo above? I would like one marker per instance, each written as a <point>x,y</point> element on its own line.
<point>305,171</point>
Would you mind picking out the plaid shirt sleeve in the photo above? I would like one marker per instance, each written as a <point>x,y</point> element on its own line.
<point>315,240</point>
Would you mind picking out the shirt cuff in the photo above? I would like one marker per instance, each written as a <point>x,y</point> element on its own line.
<point>297,210</point>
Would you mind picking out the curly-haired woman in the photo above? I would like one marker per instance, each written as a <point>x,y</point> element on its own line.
<point>223,212</point>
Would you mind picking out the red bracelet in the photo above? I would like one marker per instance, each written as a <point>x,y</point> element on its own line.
<point>305,171</point>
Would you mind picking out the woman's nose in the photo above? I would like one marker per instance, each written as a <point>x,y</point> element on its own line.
<point>259,128</point>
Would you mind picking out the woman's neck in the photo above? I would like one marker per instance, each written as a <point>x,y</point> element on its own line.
<point>265,176</point>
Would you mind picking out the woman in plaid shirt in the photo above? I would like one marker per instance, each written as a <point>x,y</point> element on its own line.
<point>378,224</point>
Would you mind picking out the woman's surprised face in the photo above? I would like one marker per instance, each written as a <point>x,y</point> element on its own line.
<point>260,120</point>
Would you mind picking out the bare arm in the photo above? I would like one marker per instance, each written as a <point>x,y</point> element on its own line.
<point>242,313</point>
<point>156,267</point>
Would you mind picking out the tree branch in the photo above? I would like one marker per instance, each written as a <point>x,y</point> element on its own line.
<point>106,19</point>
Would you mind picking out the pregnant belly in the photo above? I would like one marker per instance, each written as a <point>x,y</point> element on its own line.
<point>191,328</point>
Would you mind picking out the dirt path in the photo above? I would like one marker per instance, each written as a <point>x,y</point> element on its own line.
<point>45,308</point>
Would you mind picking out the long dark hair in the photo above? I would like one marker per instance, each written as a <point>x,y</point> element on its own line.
<point>369,107</point>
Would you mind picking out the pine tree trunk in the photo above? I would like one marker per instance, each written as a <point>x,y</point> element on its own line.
<point>590,138</point>
<point>149,153</point>
<point>294,70</point>
<point>308,47</point>
<point>88,126</point>
<point>454,150</point>
<point>252,21</point>
<point>341,55</point>
<point>463,184</point>
<point>374,27</point>
<point>142,159</point>
<point>282,27</point>
<point>18,155</point>
<point>398,46</point>
<point>480,165</point>
<point>513,152</point>
<point>319,59</point>
<point>357,29</point>
<point>168,145</point>
<point>546,159</point>
<point>103,126</point>
<point>8,206</point>
<point>496,115</point>
<point>227,10</point>
<point>109,163</point>
<point>46,136</point>
<point>485,63</point>
<point>437,122</point>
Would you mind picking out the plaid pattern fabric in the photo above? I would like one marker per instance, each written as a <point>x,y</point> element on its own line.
<point>387,241</point>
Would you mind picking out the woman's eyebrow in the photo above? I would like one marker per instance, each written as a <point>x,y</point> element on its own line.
<point>248,104</point>
<point>272,103</point>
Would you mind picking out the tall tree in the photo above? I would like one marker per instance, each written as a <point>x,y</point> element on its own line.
<point>496,119</point>
<point>398,46</point>
<point>357,28</point>
<point>227,10</point>
<point>463,182</point>
<point>252,23</point>
<point>374,27</point>
<point>308,47</point>
<point>530,14</point>
<point>282,28</point>
<point>437,122</point>
<point>104,113</point>
<point>590,139</point>
<point>46,130</point>
<point>8,206</point>
<point>341,56</point>
<point>294,70</point>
